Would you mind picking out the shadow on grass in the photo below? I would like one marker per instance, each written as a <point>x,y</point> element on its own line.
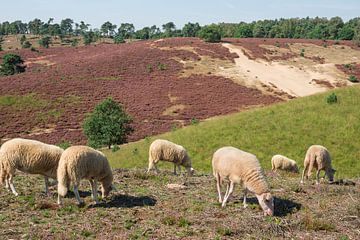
<point>127,201</point>
<point>284,207</point>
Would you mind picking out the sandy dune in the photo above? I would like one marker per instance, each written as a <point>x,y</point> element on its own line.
<point>296,81</point>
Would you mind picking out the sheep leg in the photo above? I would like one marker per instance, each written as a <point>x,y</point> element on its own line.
<point>12,186</point>
<point>77,195</point>
<point>151,166</point>
<point>174,168</point>
<point>317,177</point>
<point>231,189</point>
<point>6,184</point>
<point>94,191</point>
<point>303,174</point>
<point>59,200</point>
<point>179,169</point>
<point>47,186</point>
<point>218,187</point>
<point>244,202</point>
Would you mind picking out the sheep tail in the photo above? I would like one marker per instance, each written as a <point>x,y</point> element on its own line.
<point>63,183</point>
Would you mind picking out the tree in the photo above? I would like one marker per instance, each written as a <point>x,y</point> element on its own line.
<point>244,30</point>
<point>108,29</point>
<point>190,29</point>
<point>210,33</point>
<point>22,39</point>
<point>66,26</point>
<point>45,42</point>
<point>126,30</point>
<point>107,125</point>
<point>11,65</point>
<point>1,41</point>
<point>34,26</point>
<point>169,29</point>
<point>143,33</point>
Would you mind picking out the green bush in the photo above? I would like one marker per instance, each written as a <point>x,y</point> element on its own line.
<point>45,42</point>
<point>332,98</point>
<point>26,44</point>
<point>107,125</point>
<point>11,65</point>
<point>119,39</point>
<point>210,33</point>
<point>353,79</point>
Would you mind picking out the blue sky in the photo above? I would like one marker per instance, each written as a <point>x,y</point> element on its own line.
<point>148,12</point>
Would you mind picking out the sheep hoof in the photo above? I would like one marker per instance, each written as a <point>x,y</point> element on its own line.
<point>220,201</point>
<point>245,205</point>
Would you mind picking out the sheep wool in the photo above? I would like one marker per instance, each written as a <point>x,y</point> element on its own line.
<point>163,150</point>
<point>82,162</point>
<point>28,156</point>
<point>241,167</point>
<point>317,157</point>
<point>283,163</point>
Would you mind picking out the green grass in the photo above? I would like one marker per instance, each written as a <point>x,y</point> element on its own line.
<point>287,128</point>
<point>18,102</point>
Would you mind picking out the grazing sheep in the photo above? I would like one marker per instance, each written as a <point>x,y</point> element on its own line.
<point>318,157</point>
<point>82,162</point>
<point>283,163</point>
<point>163,150</point>
<point>241,167</point>
<point>28,156</point>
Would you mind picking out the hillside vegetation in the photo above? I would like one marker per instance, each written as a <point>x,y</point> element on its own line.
<point>286,128</point>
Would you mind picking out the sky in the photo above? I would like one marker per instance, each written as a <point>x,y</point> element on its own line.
<point>149,12</point>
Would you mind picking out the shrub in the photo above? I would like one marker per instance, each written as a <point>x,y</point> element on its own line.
<point>210,33</point>
<point>161,66</point>
<point>11,65</point>
<point>353,79</point>
<point>22,39</point>
<point>45,42</point>
<point>74,42</point>
<point>26,44</point>
<point>332,98</point>
<point>302,53</point>
<point>107,125</point>
<point>119,39</point>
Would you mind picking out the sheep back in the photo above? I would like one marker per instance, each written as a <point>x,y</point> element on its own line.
<point>30,156</point>
<point>168,151</point>
<point>240,167</point>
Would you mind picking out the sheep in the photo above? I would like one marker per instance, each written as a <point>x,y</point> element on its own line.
<point>283,163</point>
<point>28,156</point>
<point>163,150</point>
<point>319,157</point>
<point>82,162</point>
<point>241,167</point>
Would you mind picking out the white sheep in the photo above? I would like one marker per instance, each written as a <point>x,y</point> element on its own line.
<point>283,163</point>
<point>163,150</point>
<point>82,162</point>
<point>318,157</point>
<point>28,156</point>
<point>241,167</point>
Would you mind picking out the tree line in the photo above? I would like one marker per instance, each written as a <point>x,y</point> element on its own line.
<point>310,28</point>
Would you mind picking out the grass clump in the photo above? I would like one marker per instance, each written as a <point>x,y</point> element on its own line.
<point>353,79</point>
<point>332,98</point>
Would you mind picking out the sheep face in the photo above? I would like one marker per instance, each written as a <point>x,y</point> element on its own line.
<point>295,169</point>
<point>266,202</point>
<point>105,190</point>
<point>330,174</point>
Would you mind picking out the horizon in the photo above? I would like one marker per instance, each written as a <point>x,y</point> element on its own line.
<point>203,12</point>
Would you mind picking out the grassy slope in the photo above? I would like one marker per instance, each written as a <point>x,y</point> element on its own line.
<point>287,128</point>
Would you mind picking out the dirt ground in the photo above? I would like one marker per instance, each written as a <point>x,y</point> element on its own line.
<point>145,208</point>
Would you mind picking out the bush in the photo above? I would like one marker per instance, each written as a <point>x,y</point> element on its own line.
<point>45,42</point>
<point>107,125</point>
<point>353,79</point>
<point>332,98</point>
<point>74,42</point>
<point>26,44</point>
<point>11,65</point>
<point>119,39</point>
<point>210,33</point>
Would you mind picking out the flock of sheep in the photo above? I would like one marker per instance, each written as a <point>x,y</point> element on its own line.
<point>75,163</point>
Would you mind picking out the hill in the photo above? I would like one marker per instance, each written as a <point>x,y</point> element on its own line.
<point>164,84</point>
<point>287,128</point>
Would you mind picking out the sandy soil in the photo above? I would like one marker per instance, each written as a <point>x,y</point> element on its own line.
<point>297,82</point>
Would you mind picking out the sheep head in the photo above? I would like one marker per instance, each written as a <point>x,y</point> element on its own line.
<point>266,202</point>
